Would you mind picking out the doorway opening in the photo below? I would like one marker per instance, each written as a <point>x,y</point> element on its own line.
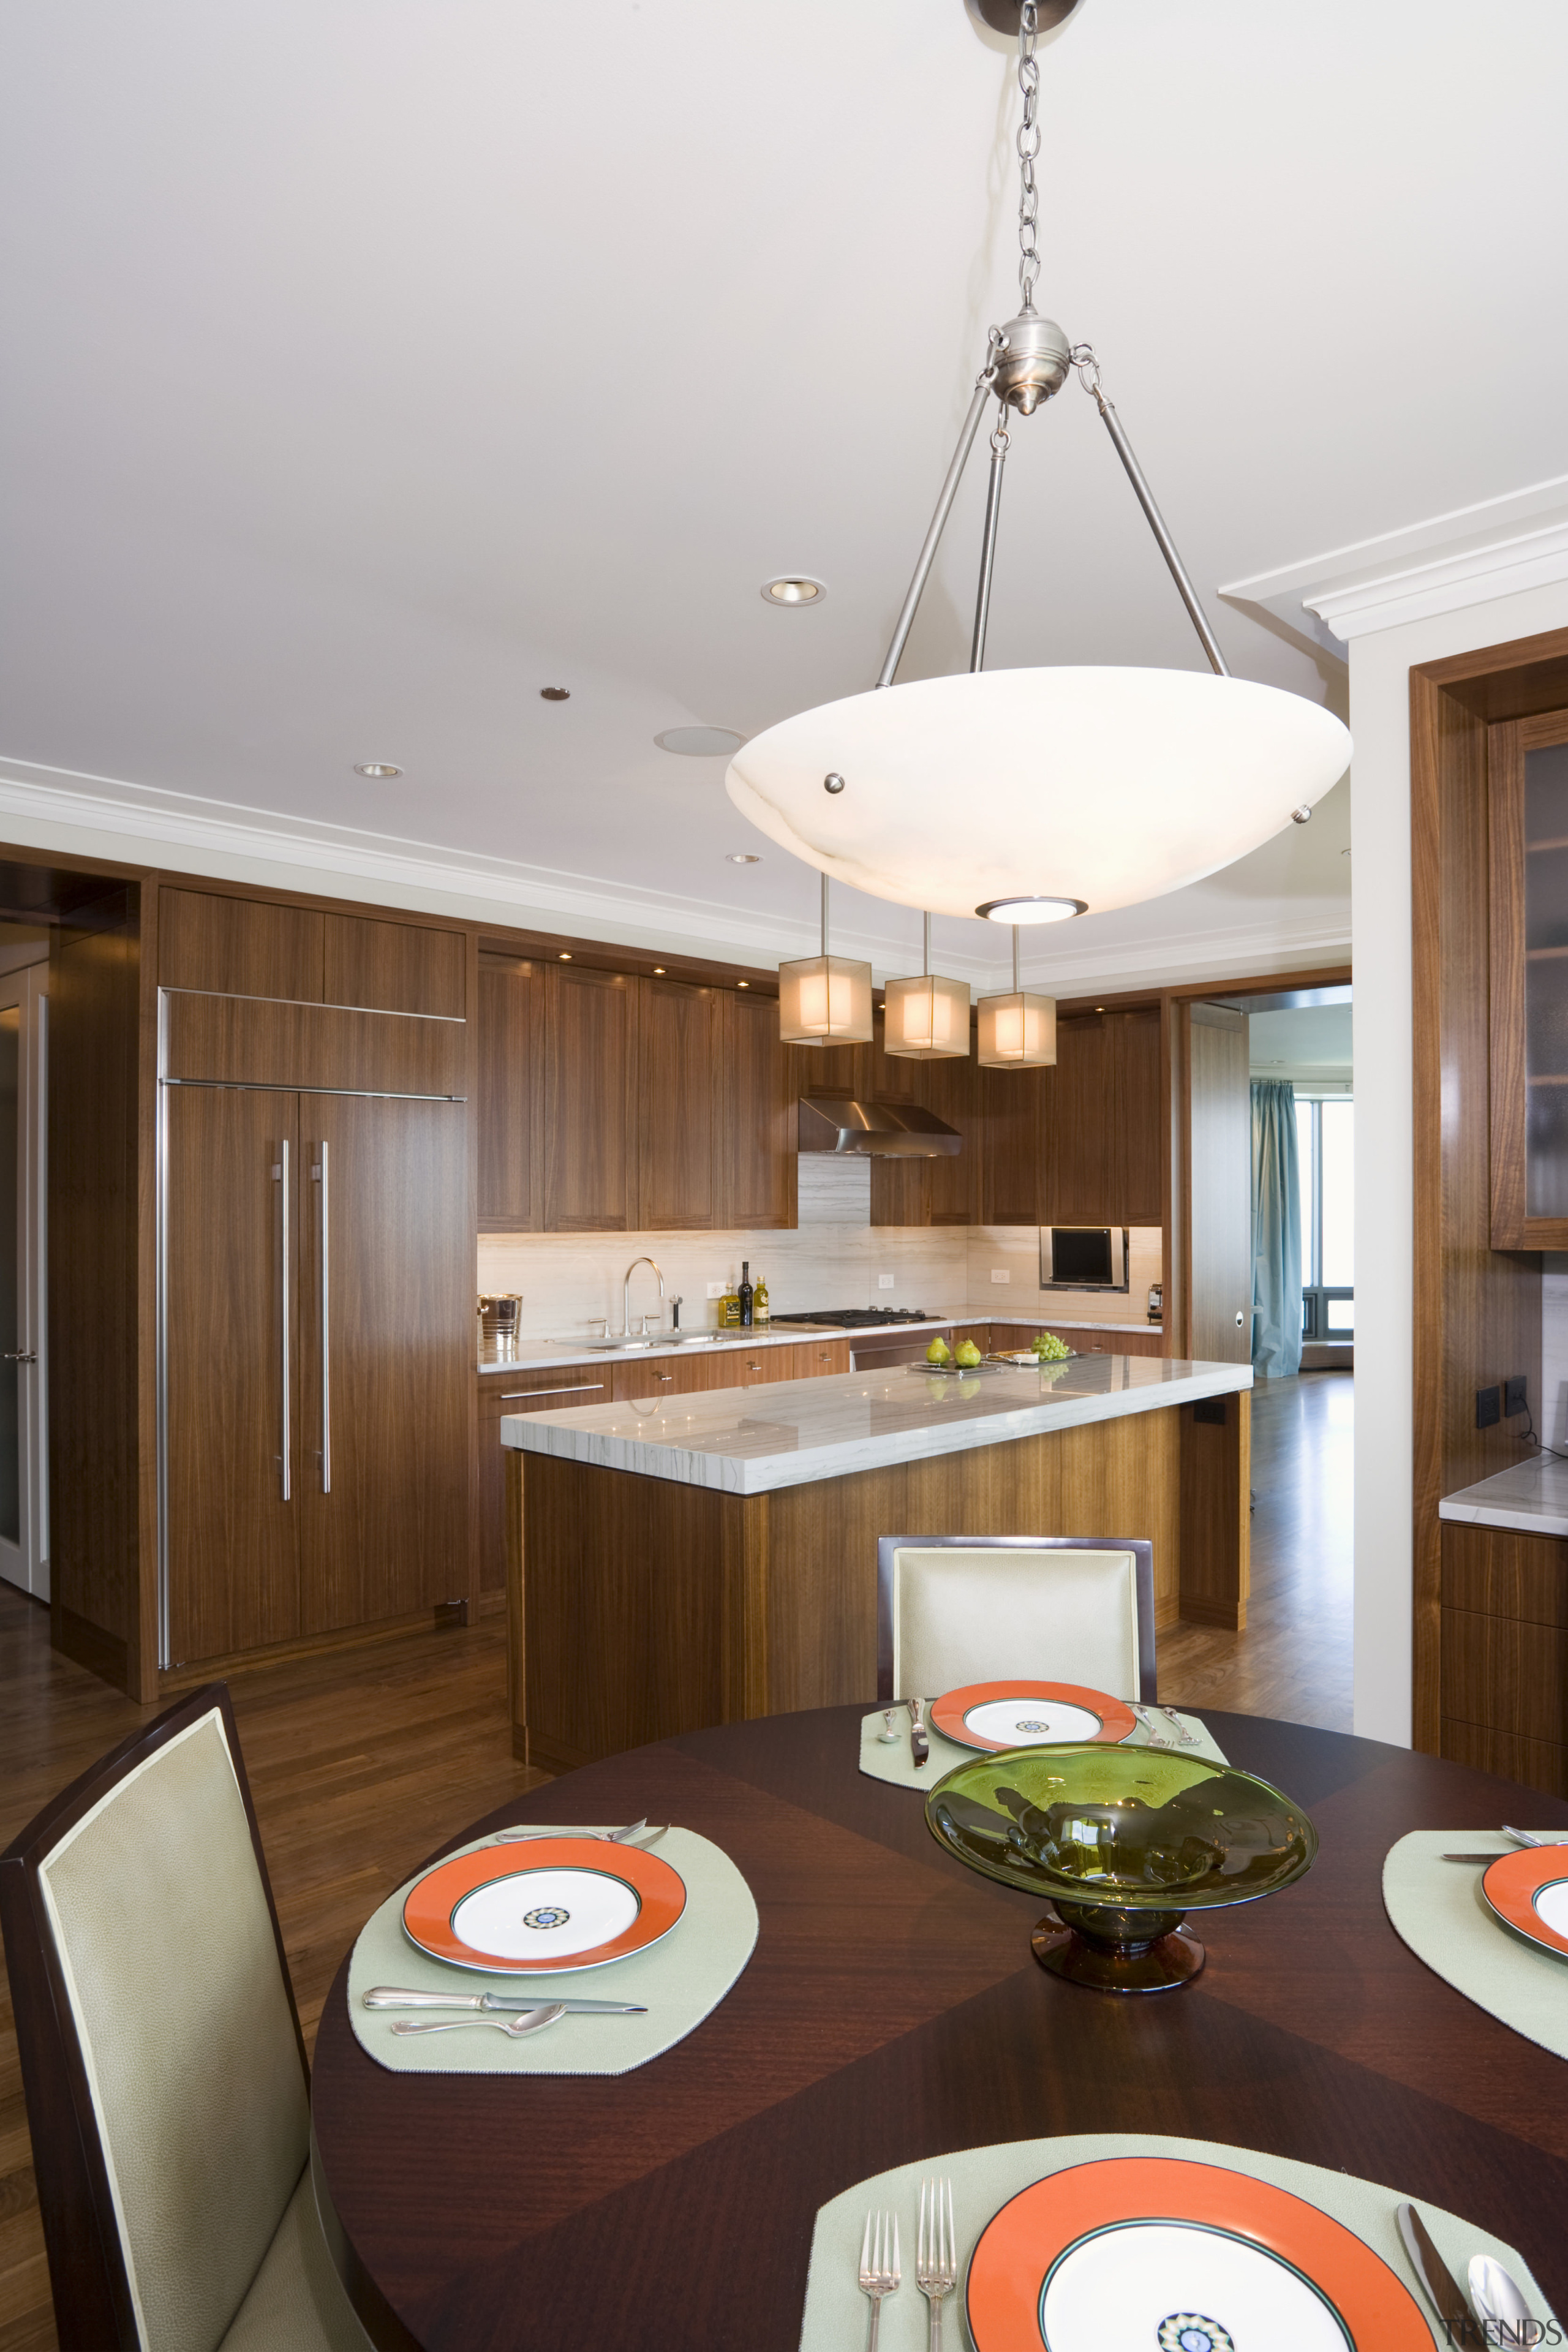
<point>24,1287</point>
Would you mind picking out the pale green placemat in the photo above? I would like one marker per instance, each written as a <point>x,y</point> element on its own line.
<point>896,1765</point>
<point>983,2178</point>
<point>1438,1908</point>
<point>681,1979</point>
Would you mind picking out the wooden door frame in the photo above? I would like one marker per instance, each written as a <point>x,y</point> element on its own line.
<point>1474,1307</point>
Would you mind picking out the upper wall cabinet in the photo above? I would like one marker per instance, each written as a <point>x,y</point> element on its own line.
<point>681,1058</point>
<point>1527,769</point>
<point>511,990</point>
<point>761,1134</point>
<point>591,1169</point>
<point>306,955</point>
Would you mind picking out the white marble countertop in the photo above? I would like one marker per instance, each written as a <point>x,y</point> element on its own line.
<point>752,1440</point>
<point>553,1355</point>
<point>1529,1496</point>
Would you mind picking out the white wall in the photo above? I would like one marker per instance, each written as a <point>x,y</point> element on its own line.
<point>1380,664</point>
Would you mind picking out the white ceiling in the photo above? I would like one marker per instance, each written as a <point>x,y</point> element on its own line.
<point>1301,1039</point>
<point>371,366</point>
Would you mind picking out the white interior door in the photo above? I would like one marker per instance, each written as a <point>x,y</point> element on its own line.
<point>23,1338</point>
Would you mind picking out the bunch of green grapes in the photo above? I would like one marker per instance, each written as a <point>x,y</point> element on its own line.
<point>1049,1349</point>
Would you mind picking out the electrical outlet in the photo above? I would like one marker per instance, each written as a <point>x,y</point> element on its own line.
<point>716,1290</point>
<point>1487,1412</point>
<point>1000,1274</point>
<point>884,1281</point>
<point>1514,1398</point>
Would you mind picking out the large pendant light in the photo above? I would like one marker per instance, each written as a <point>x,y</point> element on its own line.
<point>1087,788</point>
<point>824,1000</point>
<point>927,1020</point>
<point>1018,1031</point>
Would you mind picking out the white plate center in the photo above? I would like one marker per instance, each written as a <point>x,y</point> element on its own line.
<point>1189,2289</point>
<point>1030,1722</point>
<point>545,1915</point>
<point>1551,1905</point>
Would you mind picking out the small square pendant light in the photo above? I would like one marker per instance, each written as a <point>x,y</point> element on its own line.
<point>1018,1031</point>
<point>928,1018</point>
<point>824,1000</point>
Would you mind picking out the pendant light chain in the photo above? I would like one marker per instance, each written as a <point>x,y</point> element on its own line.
<point>1029,145</point>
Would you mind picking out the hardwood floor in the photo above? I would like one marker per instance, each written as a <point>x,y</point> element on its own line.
<point>1294,1659</point>
<point>360,1763</point>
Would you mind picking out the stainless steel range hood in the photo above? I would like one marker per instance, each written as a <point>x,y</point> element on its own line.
<point>874,1130</point>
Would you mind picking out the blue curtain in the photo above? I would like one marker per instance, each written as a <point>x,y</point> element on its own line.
<point>1275,1230</point>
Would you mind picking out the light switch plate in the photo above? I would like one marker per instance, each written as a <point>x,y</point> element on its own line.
<point>884,1281</point>
<point>1001,1274</point>
<point>716,1290</point>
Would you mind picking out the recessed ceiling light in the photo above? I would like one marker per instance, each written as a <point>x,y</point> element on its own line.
<point>376,768</point>
<point>796,590</point>
<point>1031,910</point>
<point>555,694</point>
<point>700,743</point>
<point>742,857</point>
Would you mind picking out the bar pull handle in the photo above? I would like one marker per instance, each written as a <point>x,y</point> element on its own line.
<point>280,1178</point>
<point>320,1174</point>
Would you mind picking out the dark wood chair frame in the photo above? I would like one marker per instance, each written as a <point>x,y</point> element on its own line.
<point>1143,1573</point>
<point>93,2310</point>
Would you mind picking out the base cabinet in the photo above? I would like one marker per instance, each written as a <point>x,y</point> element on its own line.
<point>1505,1654</point>
<point>1085,1338</point>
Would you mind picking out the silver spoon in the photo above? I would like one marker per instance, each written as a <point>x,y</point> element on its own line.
<point>1498,2303</point>
<point>531,2021</point>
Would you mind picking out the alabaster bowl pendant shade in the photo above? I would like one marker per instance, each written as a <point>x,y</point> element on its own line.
<point>1107,785</point>
<point>824,1000</point>
<point>1017,1032</point>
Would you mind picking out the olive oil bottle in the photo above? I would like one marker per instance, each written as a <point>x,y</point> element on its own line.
<point>759,1309</point>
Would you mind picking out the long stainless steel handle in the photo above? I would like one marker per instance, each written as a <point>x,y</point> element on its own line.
<point>321,1175</point>
<point>583,1388</point>
<point>280,1177</point>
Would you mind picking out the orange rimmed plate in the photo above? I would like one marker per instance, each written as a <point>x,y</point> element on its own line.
<point>1160,2251</point>
<point>1527,1890</point>
<point>993,1715</point>
<point>550,1907</point>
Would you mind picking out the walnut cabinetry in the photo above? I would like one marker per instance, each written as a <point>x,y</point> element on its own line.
<point>1505,1654</point>
<point>1085,1339</point>
<point>248,947</point>
<point>1527,790</point>
<point>615,1102</point>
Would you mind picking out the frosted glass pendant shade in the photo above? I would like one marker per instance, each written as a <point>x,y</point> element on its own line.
<point>1106,785</point>
<point>824,1000</point>
<point>1017,1032</point>
<point>927,1019</point>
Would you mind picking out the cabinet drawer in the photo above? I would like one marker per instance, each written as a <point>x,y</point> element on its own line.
<point>551,1391</point>
<point>670,1376</point>
<point>243,1040</point>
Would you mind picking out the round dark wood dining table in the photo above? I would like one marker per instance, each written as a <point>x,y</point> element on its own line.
<point>892,2012</point>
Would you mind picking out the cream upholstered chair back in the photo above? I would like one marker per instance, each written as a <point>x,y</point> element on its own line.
<point>167,2090</point>
<point>953,1610</point>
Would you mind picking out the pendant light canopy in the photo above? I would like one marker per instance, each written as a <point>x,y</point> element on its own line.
<point>824,1000</point>
<point>928,1018</point>
<point>1018,1031</point>
<point>1088,788</point>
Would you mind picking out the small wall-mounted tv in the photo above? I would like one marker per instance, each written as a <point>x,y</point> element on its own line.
<point>1084,1257</point>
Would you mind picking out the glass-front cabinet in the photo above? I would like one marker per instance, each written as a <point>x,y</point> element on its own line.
<point>1529,828</point>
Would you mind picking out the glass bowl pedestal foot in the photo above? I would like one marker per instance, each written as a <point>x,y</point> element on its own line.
<point>1111,1949</point>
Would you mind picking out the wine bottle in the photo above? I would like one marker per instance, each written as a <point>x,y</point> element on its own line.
<point>746,1295</point>
<point>759,1309</point>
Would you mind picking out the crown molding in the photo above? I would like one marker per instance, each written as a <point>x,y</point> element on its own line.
<point>1470,556</point>
<point>53,808</point>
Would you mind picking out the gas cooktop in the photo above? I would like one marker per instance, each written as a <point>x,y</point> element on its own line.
<point>860,1319</point>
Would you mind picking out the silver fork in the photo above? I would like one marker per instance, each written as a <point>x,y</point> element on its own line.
<point>878,2265</point>
<point>936,2253</point>
<point>1187,1738</point>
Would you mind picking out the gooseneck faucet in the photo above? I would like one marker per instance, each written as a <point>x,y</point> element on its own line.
<point>627,1294</point>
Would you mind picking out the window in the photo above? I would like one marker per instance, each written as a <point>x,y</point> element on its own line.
<point>1325,1146</point>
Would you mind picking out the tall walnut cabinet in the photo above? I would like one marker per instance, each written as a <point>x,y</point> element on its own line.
<point>314,1273</point>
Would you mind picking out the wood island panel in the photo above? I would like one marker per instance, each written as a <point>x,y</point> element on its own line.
<point>642,1608</point>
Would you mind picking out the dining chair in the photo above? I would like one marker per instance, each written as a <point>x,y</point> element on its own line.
<point>953,1610</point>
<point>165,2077</point>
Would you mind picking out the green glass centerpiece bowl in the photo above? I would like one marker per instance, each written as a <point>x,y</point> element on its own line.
<point>1122,1842</point>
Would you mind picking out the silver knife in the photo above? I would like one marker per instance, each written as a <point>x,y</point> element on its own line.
<point>1442,2287</point>
<point>920,1746</point>
<point>1496,1855</point>
<point>401,1996</point>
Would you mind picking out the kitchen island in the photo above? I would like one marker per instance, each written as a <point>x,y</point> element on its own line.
<point>710,1557</point>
